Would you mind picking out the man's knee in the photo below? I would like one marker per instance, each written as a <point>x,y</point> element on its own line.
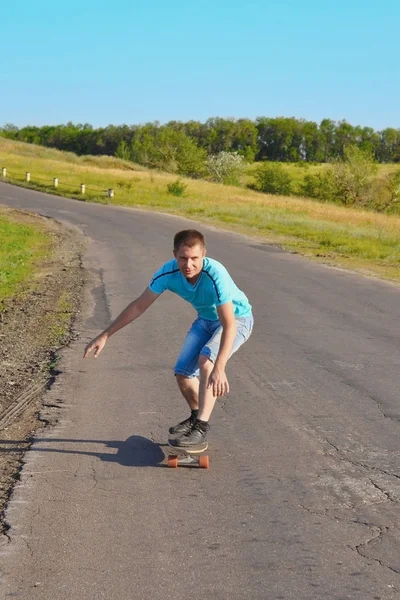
<point>205,363</point>
<point>184,380</point>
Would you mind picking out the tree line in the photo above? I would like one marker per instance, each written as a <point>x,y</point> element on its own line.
<point>184,146</point>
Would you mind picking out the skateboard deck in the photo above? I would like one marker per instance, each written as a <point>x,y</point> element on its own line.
<point>188,456</point>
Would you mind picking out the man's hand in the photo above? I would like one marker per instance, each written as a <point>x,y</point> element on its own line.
<point>97,344</point>
<point>218,381</point>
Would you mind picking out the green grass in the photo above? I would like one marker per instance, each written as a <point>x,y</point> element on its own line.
<point>22,246</point>
<point>347,237</point>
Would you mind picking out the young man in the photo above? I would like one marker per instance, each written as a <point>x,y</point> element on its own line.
<point>223,324</point>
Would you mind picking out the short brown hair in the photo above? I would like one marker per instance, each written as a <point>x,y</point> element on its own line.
<point>189,238</point>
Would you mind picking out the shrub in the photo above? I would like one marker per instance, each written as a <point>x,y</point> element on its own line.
<point>386,193</point>
<point>313,186</point>
<point>272,178</point>
<point>225,167</point>
<point>349,180</point>
<point>176,188</point>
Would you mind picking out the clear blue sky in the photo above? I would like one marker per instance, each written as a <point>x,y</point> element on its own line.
<point>133,61</point>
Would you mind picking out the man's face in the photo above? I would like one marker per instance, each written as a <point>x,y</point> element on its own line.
<point>190,260</point>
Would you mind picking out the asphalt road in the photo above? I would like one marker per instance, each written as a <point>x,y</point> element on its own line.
<point>302,498</point>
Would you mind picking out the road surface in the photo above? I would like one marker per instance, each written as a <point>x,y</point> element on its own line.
<point>302,498</point>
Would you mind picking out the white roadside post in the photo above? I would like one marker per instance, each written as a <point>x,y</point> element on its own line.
<point>83,188</point>
<point>55,181</point>
<point>4,172</point>
<point>111,193</point>
<point>28,176</point>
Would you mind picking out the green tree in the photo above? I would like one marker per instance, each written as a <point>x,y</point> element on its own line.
<point>280,139</point>
<point>389,145</point>
<point>9,131</point>
<point>345,135</point>
<point>244,139</point>
<point>168,149</point>
<point>369,141</point>
<point>220,135</point>
<point>123,151</point>
<point>312,146</point>
<point>327,131</point>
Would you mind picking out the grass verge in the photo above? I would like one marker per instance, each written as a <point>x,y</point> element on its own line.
<point>23,246</point>
<point>60,320</point>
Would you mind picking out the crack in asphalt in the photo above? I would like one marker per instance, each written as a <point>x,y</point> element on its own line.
<point>358,548</point>
<point>23,538</point>
<point>362,549</point>
<point>364,545</point>
<point>386,493</point>
<point>359,388</point>
<point>94,475</point>
<point>356,463</point>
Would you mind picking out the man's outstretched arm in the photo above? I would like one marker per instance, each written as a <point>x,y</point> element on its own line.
<point>129,314</point>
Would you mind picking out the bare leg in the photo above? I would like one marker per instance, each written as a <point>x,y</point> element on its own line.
<point>206,396</point>
<point>189,388</point>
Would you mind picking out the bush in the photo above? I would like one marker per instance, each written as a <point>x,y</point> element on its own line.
<point>225,167</point>
<point>349,181</point>
<point>272,178</point>
<point>176,188</point>
<point>386,193</point>
<point>313,186</point>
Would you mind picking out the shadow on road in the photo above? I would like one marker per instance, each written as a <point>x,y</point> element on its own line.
<point>136,451</point>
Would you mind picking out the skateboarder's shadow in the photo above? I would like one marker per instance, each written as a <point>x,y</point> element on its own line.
<point>135,451</point>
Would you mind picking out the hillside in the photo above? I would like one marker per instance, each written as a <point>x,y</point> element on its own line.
<point>348,237</point>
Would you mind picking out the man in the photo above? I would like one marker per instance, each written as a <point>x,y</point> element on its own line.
<point>223,324</point>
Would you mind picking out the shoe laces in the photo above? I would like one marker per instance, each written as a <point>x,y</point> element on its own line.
<point>199,427</point>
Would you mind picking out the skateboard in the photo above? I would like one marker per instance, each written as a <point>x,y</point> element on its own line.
<point>189,456</point>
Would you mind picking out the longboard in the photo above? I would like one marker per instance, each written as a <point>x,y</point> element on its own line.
<point>188,456</point>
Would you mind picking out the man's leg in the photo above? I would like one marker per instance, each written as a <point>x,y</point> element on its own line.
<point>205,402</point>
<point>206,398</point>
<point>187,371</point>
<point>189,387</point>
<point>200,398</point>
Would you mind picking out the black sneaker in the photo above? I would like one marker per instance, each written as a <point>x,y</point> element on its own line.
<point>184,426</point>
<point>195,437</point>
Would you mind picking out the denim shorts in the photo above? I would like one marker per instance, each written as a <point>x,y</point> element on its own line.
<point>204,338</point>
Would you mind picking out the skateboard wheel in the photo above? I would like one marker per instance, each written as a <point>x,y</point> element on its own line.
<point>173,462</point>
<point>204,462</point>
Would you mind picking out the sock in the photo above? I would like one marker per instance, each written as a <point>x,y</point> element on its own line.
<point>194,414</point>
<point>203,425</point>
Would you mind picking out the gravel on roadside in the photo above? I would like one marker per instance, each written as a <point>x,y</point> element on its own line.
<point>34,326</point>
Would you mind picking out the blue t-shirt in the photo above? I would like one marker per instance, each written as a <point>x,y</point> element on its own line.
<point>213,287</point>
